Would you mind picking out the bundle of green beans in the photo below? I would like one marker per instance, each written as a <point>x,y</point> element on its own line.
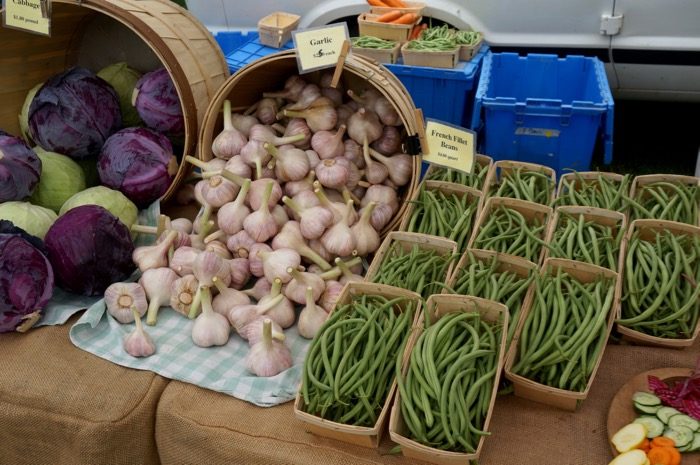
<point>602,192</point>
<point>445,215</point>
<point>586,241</point>
<point>474,179</point>
<point>349,368</point>
<point>372,42</point>
<point>438,32</point>
<point>564,331</point>
<point>446,391</point>
<point>467,37</point>
<point>666,201</point>
<point>507,231</point>
<point>661,296</point>
<point>524,184</point>
<point>481,279</point>
<point>419,270</point>
<point>432,45</point>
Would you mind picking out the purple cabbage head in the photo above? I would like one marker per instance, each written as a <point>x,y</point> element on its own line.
<point>157,103</point>
<point>89,249</point>
<point>26,278</point>
<point>20,168</point>
<point>74,113</point>
<point>139,163</point>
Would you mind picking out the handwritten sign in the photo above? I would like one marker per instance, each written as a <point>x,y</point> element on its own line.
<point>27,15</point>
<point>450,146</point>
<point>319,47</point>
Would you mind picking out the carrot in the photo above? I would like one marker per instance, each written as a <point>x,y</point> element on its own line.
<point>645,445</point>
<point>675,455</point>
<point>389,17</point>
<point>408,18</point>
<point>394,3</point>
<point>662,441</point>
<point>377,3</point>
<point>415,32</point>
<point>659,456</point>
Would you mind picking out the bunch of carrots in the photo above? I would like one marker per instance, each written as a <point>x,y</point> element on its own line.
<point>393,16</point>
<point>661,451</point>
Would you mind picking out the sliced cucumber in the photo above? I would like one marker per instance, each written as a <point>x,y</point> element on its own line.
<point>681,435</point>
<point>665,413</point>
<point>695,446</point>
<point>684,420</point>
<point>645,398</point>
<point>653,425</point>
<point>650,409</point>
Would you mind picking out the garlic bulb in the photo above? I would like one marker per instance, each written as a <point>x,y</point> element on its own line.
<point>208,265</point>
<point>294,187</point>
<point>264,134</point>
<point>334,95</point>
<point>364,126</point>
<point>239,244</point>
<point>255,155</point>
<point>231,215</point>
<point>139,343</point>
<point>282,312</point>
<point>239,167</point>
<point>243,122</point>
<point>290,237</point>
<point>308,95</point>
<point>380,217</point>
<point>348,275</point>
<point>381,195</point>
<point>327,144</point>
<point>253,331</point>
<point>182,293</point>
<point>299,126</point>
<point>276,263</point>
<point>353,152</point>
<point>307,198</point>
<point>240,315</point>
<point>291,164</point>
<point>330,295</point>
<point>218,248</point>
<point>157,283</point>
<point>389,143</point>
<point>240,272</point>
<point>280,215</point>
<point>257,193</point>
<point>209,328</point>
<point>375,173</point>
<point>312,221</point>
<point>333,173</point>
<point>182,260</point>
<point>293,88</point>
<point>260,289</point>
<point>311,317</point>
<point>319,249</point>
<point>338,239</point>
<point>229,141</point>
<point>268,357</point>
<point>267,110</point>
<point>182,225</point>
<point>260,224</point>
<point>217,191</point>
<point>399,166</point>
<point>255,263</point>
<point>148,257</point>
<point>227,298</point>
<point>319,116</point>
<point>121,298</point>
<point>344,113</point>
<point>367,239</point>
<point>301,280</point>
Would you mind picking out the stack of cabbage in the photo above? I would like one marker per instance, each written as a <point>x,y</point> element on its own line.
<point>111,128</point>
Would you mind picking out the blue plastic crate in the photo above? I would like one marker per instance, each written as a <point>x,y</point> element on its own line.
<point>250,51</point>
<point>543,109</point>
<point>444,94</point>
<point>229,41</point>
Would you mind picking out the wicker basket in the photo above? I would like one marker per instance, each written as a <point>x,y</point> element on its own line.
<point>269,73</point>
<point>95,33</point>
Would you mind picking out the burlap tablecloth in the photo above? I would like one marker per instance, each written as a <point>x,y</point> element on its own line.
<point>197,426</point>
<point>60,405</point>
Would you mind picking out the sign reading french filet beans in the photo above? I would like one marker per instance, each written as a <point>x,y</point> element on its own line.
<point>450,146</point>
<point>319,47</point>
<point>27,15</point>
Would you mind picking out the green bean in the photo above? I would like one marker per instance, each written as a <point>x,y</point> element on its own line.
<point>600,191</point>
<point>523,238</point>
<point>467,37</point>
<point>666,200</point>
<point>372,42</point>
<point>432,45</point>
<point>520,183</point>
<point>577,239</point>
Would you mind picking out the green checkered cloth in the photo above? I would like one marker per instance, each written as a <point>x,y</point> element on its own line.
<point>65,304</point>
<point>220,369</point>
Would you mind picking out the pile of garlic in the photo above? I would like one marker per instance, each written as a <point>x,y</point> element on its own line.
<point>279,208</point>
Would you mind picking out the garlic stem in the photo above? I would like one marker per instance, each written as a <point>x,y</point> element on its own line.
<point>269,305</point>
<point>267,333</point>
<point>276,288</point>
<point>216,235</point>
<point>196,302</point>
<point>226,174</point>
<point>227,115</point>
<point>278,127</point>
<point>205,223</point>
<point>347,195</point>
<point>219,285</point>
<point>142,228</point>
<point>292,205</point>
<point>203,165</point>
<point>356,97</point>
<point>336,272</point>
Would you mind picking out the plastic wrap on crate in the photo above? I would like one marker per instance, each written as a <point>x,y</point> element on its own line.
<point>444,94</point>
<point>543,109</point>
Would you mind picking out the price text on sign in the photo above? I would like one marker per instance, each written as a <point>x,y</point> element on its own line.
<point>319,47</point>
<point>28,15</point>
<point>450,146</point>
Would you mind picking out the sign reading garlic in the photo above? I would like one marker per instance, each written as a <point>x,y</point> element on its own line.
<point>319,47</point>
<point>450,146</point>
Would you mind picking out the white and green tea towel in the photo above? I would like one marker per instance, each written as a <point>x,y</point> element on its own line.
<point>220,369</point>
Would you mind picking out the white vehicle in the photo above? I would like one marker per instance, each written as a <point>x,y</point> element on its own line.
<point>651,48</point>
